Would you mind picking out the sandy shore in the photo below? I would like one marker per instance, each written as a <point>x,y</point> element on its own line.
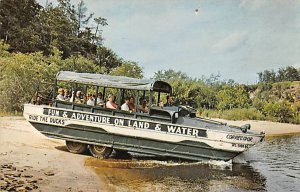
<point>270,128</point>
<point>30,161</point>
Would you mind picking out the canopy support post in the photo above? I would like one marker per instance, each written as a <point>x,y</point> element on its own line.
<point>158,99</point>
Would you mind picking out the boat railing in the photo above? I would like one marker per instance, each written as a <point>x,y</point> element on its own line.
<point>153,116</point>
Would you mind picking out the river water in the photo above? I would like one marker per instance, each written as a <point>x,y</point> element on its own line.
<point>273,165</point>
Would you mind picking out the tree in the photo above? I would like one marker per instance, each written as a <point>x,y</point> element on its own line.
<point>20,75</point>
<point>291,74</point>
<point>107,60</point>
<point>166,75</point>
<point>232,97</point>
<point>100,22</point>
<point>280,110</point>
<point>281,76</point>
<point>28,27</point>
<point>54,29</point>
<point>82,19</point>
<point>128,69</point>
<point>16,18</point>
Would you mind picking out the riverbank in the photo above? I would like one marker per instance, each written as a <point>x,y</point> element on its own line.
<point>30,161</point>
<point>270,128</point>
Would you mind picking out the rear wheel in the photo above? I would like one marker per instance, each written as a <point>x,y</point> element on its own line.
<point>76,147</point>
<point>100,152</point>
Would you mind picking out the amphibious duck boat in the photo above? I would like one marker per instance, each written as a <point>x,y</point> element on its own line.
<point>172,131</point>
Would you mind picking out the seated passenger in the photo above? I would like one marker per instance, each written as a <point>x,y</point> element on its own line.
<point>84,99</point>
<point>143,106</point>
<point>77,98</point>
<point>140,104</point>
<point>100,101</point>
<point>153,103</point>
<point>60,95</point>
<point>67,95</point>
<point>110,104</point>
<point>169,101</point>
<point>125,106</point>
<point>161,104</point>
<point>91,100</point>
<point>131,104</point>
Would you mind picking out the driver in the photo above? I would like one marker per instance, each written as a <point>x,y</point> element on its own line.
<point>170,101</point>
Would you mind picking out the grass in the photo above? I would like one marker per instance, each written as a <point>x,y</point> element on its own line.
<point>243,114</point>
<point>234,114</point>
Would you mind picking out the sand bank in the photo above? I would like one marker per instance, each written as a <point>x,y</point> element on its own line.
<point>31,161</point>
<point>270,128</point>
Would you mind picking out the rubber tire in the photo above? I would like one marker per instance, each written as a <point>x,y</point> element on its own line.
<point>100,152</point>
<point>76,147</point>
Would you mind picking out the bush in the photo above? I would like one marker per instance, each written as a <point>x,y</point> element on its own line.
<point>243,114</point>
<point>280,111</point>
<point>20,74</point>
<point>296,119</point>
<point>209,113</point>
<point>235,114</point>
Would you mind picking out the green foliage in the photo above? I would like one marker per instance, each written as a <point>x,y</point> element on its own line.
<point>107,59</point>
<point>167,75</point>
<point>20,75</point>
<point>128,69</point>
<point>296,119</point>
<point>53,28</point>
<point>279,110</point>
<point>194,92</point>
<point>289,73</point>
<point>16,18</point>
<point>4,49</point>
<point>258,104</point>
<point>229,100</point>
<point>232,97</point>
<point>235,114</point>
<point>28,27</point>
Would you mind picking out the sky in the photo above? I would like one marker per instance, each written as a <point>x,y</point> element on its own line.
<point>232,38</point>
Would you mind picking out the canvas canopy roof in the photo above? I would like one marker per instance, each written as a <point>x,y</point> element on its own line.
<point>114,81</point>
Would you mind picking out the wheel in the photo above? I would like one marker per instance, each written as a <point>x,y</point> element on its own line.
<point>100,152</point>
<point>76,147</point>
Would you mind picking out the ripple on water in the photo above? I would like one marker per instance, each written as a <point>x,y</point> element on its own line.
<point>145,173</point>
<point>280,164</point>
<point>271,166</point>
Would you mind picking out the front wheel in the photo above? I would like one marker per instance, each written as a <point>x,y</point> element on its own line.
<point>76,147</point>
<point>100,152</point>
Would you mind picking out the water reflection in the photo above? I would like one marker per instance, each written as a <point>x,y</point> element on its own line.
<point>278,159</point>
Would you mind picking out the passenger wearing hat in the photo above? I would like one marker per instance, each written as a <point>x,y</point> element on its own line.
<point>60,95</point>
<point>110,104</point>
